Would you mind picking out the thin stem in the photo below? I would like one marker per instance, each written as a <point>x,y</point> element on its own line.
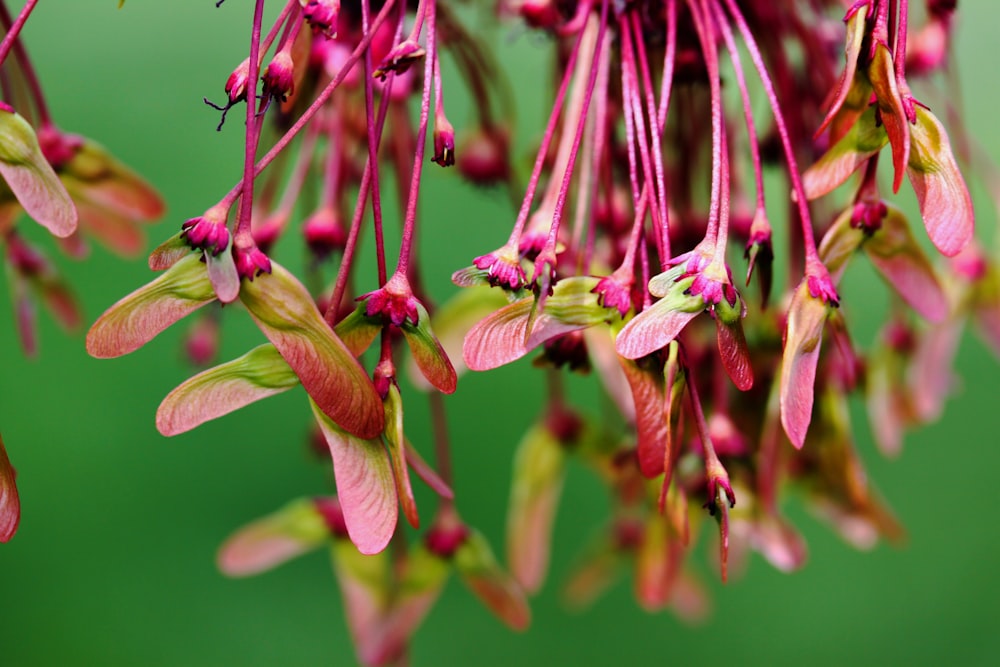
<point>293,187</point>
<point>322,98</point>
<point>273,32</point>
<point>899,51</point>
<point>633,106</point>
<point>711,458</point>
<point>410,218</point>
<point>581,124</point>
<point>550,128</point>
<point>243,238</point>
<point>637,225</point>
<point>373,155</point>
<point>350,246</point>
<point>669,60</point>
<point>741,82</point>
<point>656,134</point>
<point>28,70</point>
<point>702,26</point>
<point>442,444</point>
<point>809,240</point>
<point>15,29</point>
<point>593,146</point>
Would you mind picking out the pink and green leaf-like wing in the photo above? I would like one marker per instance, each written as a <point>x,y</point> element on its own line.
<point>385,636</point>
<point>294,530</point>
<point>803,339</point>
<point>31,178</point>
<point>654,328</point>
<point>504,337</point>
<point>395,441</point>
<point>365,586</point>
<point>428,353</point>
<point>494,587</point>
<point>453,320</point>
<point>258,374</point>
<point>863,140</point>
<point>537,481</point>
<point>902,262</point>
<point>333,378</point>
<point>944,200</point>
<point>139,317</point>
<point>365,485</point>
<point>94,175</point>
<point>851,88</point>
<point>882,74</point>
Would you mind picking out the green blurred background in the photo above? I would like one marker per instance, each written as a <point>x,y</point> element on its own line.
<point>114,561</point>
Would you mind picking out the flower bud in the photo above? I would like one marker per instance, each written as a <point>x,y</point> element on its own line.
<point>251,262</point>
<point>324,231</point>
<point>279,77</point>
<point>207,232</point>
<point>322,15</point>
<point>484,157</point>
<point>399,59</point>
<point>236,84</point>
<point>444,142</point>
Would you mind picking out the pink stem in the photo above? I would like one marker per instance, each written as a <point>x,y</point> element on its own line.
<point>242,237</point>
<point>656,134</point>
<point>594,147</point>
<point>633,107</point>
<point>410,219</point>
<point>581,124</point>
<point>15,29</point>
<point>273,32</point>
<point>550,128</point>
<point>899,52</point>
<point>669,60</point>
<point>28,69</point>
<point>812,256</point>
<point>321,99</point>
<point>741,82</point>
<point>442,445</point>
<point>350,246</point>
<point>701,23</point>
<point>373,154</point>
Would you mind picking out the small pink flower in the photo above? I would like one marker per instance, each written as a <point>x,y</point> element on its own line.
<point>207,232</point>
<point>503,268</point>
<point>251,262</point>
<point>394,302</point>
<point>279,76</point>
<point>322,16</point>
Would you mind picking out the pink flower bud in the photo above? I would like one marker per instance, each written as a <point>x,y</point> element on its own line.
<point>324,231</point>
<point>444,142</point>
<point>236,84</point>
<point>251,262</point>
<point>207,232</point>
<point>484,158</point>
<point>279,77</point>
<point>399,59</point>
<point>322,16</point>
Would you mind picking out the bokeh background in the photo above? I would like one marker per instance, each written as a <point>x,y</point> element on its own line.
<point>114,561</point>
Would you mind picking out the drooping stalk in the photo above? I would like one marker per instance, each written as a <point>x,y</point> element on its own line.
<point>27,67</point>
<point>15,29</point>
<point>410,216</point>
<point>550,128</point>
<point>813,262</point>
<point>373,152</point>
<point>242,238</point>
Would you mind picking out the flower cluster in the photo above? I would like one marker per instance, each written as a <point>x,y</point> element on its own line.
<point>645,198</point>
